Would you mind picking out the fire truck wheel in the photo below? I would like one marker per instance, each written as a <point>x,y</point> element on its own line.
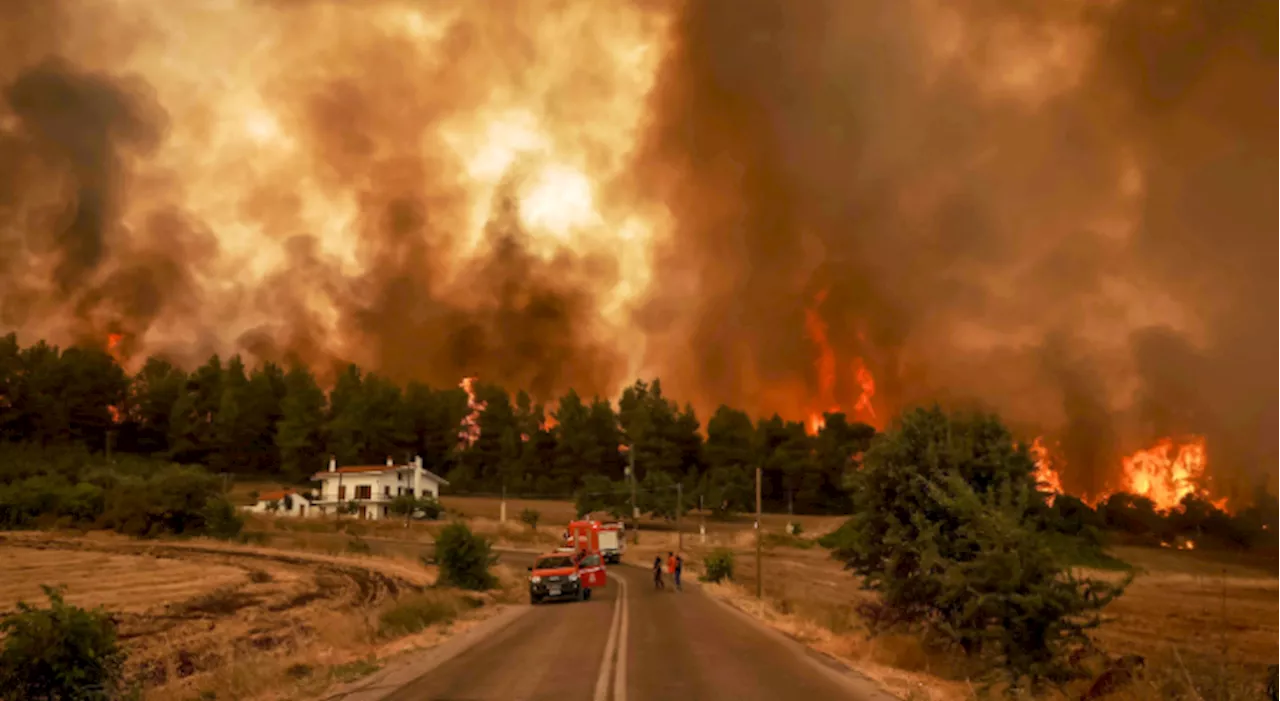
<point>581,594</point>
<point>534,601</point>
<point>587,595</point>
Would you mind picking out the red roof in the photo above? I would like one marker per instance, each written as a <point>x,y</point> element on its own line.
<point>275,496</point>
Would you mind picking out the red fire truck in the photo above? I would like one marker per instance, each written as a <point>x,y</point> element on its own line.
<point>608,539</point>
<point>566,575</point>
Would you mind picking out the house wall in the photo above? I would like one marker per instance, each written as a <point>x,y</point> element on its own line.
<point>384,486</point>
<point>301,507</point>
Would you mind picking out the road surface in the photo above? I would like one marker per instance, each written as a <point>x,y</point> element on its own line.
<point>668,646</point>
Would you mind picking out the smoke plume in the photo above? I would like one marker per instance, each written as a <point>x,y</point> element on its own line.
<point>1061,211</point>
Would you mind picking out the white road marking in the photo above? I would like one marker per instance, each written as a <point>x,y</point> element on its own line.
<point>620,670</point>
<point>602,681</point>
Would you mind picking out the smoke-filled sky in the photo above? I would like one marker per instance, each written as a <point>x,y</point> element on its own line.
<point>1063,210</point>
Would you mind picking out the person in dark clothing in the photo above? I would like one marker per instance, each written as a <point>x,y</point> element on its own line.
<point>657,573</point>
<point>679,567</point>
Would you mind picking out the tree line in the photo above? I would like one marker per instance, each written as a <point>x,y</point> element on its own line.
<point>275,421</point>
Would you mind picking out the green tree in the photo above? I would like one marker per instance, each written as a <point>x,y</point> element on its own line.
<point>463,558</point>
<point>299,434</point>
<point>728,486</point>
<point>601,494</point>
<point>948,528</point>
<point>529,517</point>
<point>60,652</point>
<point>155,390</point>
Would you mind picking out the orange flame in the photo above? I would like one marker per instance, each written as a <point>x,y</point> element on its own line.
<point>1047,478</point>
<point>113,349</point>
<point>825,366</point>
<point>1167,472</point>
<point>470,429</point>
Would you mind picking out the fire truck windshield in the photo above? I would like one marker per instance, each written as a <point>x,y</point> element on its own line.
<point>552,563</point>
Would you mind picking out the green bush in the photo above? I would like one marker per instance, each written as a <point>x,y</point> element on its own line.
<point>426,507</point>
<point>61,652</point>
<point>529,517</point>
<point>718,566</point>
<point>222,519</point>
<point>948,527</point>
<point>463,558</point>
<point>415,613</point>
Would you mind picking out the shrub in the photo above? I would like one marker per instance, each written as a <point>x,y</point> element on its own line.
<point>463,558</point>
<point>422,507</point>
<point>948,527</point>
<point>415,613</point>
<point>62,652</point>
<point>358,546</point>
<point>222,519</point>
<point>530,517</point>
<point>718,565</point>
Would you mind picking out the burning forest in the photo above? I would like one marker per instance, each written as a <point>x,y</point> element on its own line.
<point>1060,213</point>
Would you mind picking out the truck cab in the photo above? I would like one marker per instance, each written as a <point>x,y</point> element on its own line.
<point>565,576</point>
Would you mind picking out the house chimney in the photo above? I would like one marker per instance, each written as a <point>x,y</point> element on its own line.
<point>390,463</point>
<point>333,464</point>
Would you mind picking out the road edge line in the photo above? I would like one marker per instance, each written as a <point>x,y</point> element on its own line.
<point>420,663</point>
<point>861,686</point>
<point>620,669</point>
<point>610,645</point>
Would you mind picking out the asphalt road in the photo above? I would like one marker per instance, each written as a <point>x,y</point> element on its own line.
<point>669,645</point>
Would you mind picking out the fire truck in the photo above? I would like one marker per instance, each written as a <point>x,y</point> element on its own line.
<point>566,575</point>
<point>608,539</point>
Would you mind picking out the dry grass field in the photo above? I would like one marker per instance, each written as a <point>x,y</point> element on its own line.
<point>236,622</point>
<point>1207,629</point>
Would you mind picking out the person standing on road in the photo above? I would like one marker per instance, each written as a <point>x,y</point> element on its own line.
<point>671,563</point>
<point>678,569</point>
<point>657,573</point>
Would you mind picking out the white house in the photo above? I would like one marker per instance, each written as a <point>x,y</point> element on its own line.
<point>288,503</point>
<point>372,487</point>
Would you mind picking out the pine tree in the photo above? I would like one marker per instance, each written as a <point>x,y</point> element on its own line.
<point>299,434</point>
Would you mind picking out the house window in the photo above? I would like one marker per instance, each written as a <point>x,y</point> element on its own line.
<point>342,492</point>
<point>364,491</point>
<point>386,490</point>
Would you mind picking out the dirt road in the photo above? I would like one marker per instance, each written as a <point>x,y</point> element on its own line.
<point>668,645</point>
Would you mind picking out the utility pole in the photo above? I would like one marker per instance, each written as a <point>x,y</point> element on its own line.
<point>502,509</point>
<point>635,513</point>
<point>679,508</point>
<point>759,567</point>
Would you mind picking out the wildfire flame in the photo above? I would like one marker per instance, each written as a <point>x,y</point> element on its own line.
<point>1165,473</point>
<point>470,428</point>
<point>825,366</point>
<point>113,349</point>
<point>1168,472</point>
<point>1047,478</point>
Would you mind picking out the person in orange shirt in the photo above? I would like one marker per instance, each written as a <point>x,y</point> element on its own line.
<point>671,566</point>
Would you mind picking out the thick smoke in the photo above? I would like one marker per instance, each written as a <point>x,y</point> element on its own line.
<point>361,108</point>
<point>1064,211</point>
<point>1061,211</point>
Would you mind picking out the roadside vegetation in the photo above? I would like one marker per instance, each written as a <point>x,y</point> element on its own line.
<point>60,652</point>
<point>68,487</point>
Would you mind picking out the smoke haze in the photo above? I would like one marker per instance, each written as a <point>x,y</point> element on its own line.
<point>1063,211</point>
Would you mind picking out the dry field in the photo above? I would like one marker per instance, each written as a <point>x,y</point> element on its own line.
<point>1199,622</point>
<point>233,622</point>
<point>556,512</point>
